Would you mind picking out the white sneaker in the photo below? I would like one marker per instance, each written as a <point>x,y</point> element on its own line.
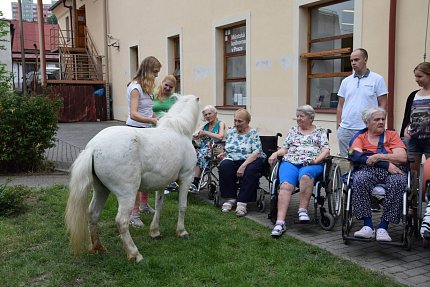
<point>365,232</point>
<point>303,216</point>
<point>278,230</point>
<point>382,235</point>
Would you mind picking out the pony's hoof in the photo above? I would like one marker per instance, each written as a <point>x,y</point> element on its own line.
<point>156,236</point>
<point>183,234</point>
<point>139,258</point>
<point>97,249</point>
<point>136,258</point>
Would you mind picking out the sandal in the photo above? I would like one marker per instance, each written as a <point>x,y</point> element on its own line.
<point>241,209</point>
<point>228,205</point>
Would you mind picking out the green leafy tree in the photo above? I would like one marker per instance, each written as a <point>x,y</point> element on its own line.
<point>27,123</point>
<point>27,127</point>
<point>5,76</point>
<point>52,20</point>
<point>3,31</point>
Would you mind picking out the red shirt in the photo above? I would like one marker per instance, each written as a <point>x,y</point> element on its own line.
<point>391,141</point>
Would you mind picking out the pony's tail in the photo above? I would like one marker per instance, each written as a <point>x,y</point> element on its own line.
<point>76,217</point>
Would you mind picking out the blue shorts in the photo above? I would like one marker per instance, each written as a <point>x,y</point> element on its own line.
<point>292,173</point>
<point>419,147</point>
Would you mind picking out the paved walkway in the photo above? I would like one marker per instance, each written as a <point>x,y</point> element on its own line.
<point>408,267</point>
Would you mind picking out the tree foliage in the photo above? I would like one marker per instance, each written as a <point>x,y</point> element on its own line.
<point>27,123</point>
<point>27,127</point>
<point>4,31</point>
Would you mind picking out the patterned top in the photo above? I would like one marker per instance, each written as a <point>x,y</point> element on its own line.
<point>240,147</point>
<point>420,117</point>
<point>204,149</point>
<point>304,148</point>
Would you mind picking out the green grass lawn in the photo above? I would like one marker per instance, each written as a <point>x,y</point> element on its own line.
<point>222,250</point>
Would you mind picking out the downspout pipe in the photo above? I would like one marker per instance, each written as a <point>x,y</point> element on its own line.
<point>106,54</point>
<point>41,26</point>
<point>72,30</point>
<point>391,62</point>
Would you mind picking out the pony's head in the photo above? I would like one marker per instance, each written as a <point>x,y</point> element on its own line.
<point>182,116</point>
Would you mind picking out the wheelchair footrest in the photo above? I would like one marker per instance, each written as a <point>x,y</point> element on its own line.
<point>353,238</point>
<point>392,243</point>
<point>312,221</point>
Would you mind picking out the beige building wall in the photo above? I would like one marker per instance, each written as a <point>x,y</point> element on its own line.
<point>276,36</point>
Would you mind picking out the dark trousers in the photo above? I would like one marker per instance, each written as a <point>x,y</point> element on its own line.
<point>228,180</point>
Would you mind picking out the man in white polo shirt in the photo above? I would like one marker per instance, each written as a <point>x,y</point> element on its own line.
<point>363,89</point>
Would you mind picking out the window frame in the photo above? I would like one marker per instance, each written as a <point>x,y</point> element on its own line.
<point>177,62</point>
<point>309,57</point>
<point>227,56</point>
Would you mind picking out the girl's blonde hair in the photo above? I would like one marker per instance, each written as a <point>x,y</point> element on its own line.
<point>145,74</point>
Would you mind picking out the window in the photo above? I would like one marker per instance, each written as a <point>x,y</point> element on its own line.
<point>177,64</point>
<point>330,42</point>
<point>67,28</point>
<point>174,58</point>
<point>235,66</point>
<point>134,60</point>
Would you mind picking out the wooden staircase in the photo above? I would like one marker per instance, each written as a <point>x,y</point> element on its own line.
<point>77,65</point>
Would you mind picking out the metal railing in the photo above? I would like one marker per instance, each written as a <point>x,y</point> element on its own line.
<point>76,64</point>
<point>62,154</point>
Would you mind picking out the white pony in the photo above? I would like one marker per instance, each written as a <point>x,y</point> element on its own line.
<point>125,160</point>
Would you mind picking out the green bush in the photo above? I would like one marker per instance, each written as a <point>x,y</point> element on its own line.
<point>27,127</point>
<point>12,199</point>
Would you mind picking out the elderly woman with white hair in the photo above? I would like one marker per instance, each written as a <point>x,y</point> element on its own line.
<point>213,130</point>
<point>378,155</point>
<point>304,151</point>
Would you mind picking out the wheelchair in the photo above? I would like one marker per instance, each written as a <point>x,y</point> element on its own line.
<point>269,144</point>
<point>209,176</point>
<point>407,220</point>
<point>424,196</point>
<point>324,214</point>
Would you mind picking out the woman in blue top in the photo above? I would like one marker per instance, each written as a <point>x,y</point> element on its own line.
<point>213,130</point>
<point>243,158</point>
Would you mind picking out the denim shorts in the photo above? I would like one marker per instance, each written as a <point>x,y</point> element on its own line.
<point>419,146</point>
<point>292,173</point>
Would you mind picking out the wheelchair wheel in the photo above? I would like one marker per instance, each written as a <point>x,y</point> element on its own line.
<point>326,221</point>
<point>211,191</point>
<point>273,213</point>
<point>426,243</point>
<point>334,194</point>
<point>261,206</point>
<point>408,242</point>
<point>217,197</point>
<point>204,179</point>
<point>273,186</point>
<point>346,217</point>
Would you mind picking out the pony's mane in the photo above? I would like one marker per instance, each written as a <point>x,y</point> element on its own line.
<point>182,116</point>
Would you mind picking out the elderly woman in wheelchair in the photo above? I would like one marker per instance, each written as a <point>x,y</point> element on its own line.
<point>212,131</point>
<point>378,156</point>
<point>304,151</point>
<point>241,165</point>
